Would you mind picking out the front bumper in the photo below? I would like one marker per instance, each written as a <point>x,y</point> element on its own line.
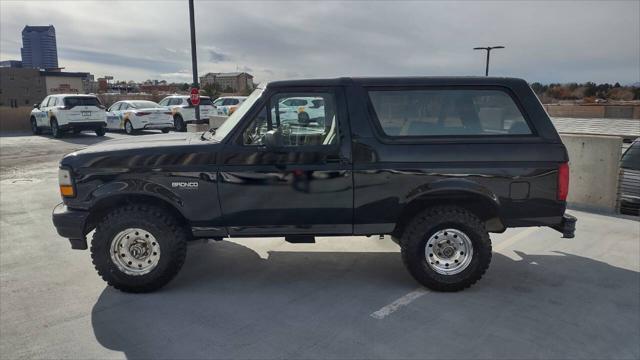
<point>567,226</point>
<point>71,224</point>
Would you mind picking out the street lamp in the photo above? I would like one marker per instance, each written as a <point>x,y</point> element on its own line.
<point>194,57</point>
<point>488,48</point>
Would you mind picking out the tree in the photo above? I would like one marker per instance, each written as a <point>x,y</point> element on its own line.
<point>184,87</point>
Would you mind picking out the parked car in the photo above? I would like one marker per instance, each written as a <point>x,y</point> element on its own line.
<point>419,159</point>
<point>184,112</point>
<point>301,110</point>
<point>133,115</point>
<point>226,105</point>
<point>630,180</point>
<point>68,112</point>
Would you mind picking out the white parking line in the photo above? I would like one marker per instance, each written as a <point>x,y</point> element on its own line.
<point>403,301</point>
<point>415,294</point>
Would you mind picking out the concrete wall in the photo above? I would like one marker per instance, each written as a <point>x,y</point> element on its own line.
<point>15,119</point>
<point>594,111</point>
<point>594,168</point>
<point>216,121</point>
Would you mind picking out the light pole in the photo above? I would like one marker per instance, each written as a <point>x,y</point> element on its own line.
<point>194,56</point>
<point>488,48</point>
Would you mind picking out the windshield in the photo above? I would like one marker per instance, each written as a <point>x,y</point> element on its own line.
<point>235,118</point>
<point>143,104</point>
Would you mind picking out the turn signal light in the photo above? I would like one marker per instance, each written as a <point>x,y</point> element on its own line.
<point>563,182</point>
<point>67,191</point>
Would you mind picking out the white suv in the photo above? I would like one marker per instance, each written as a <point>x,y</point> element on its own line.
<point>184,112</point>
<point>68,112</point>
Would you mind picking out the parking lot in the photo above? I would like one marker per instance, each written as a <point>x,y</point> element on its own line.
<point>347,297</point>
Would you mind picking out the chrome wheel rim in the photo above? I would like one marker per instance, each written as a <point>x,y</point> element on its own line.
<point>448,251</point>
<point>135,251</point>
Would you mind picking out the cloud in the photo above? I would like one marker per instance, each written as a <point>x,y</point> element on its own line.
<point>545,41</point>
<point>217,57</point>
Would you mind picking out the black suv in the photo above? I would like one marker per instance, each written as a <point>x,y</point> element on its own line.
<point>437,163</point>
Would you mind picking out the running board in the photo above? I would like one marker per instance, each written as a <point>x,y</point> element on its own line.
<point>300,239</point>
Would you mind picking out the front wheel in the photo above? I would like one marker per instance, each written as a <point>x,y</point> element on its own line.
<point>101,131</point>
<point>446,248</point>
<point>138,248</point>
<point>165,130</point>
<point>34,127</point>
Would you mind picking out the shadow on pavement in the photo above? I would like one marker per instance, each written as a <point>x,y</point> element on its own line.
<point>230,303</point>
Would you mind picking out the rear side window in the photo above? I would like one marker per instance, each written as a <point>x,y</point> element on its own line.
<point>71,102</point>
<point>447,112</point>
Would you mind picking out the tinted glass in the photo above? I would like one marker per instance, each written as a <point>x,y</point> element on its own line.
<point>631,157</point>
<point>143,104</point>
<point>81,101</point>
<point>447,113</point>
<point>296,126</point>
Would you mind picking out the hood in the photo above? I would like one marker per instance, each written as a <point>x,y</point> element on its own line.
<point>144,151</point>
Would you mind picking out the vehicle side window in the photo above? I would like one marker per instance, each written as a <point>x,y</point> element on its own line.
<point>231,102</point>
<point>53,101</point>
<point>175,101</point>
<point>296,126</point>
<point>115,107</point>
<point>164,102</point>
<point>124,106</point>
<point>218,102</point>
<point>44,102</point>
<point>631,157</point>
<point>450,112</point>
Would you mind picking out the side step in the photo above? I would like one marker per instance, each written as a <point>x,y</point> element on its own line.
<point>300,239</point>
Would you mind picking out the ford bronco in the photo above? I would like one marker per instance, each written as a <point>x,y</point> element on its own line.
<point>436,163</point>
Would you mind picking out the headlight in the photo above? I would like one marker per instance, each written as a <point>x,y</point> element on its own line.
<point>66,183</point>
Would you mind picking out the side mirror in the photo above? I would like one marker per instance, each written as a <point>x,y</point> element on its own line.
<point>273,139</point>
<point>36,106</point>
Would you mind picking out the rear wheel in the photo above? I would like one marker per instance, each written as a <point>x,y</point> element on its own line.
<point>34,127</point>
<point>179,124</point>
<point>166,130</point>
<point>55,129</point>
<point>138,248</point>
<point>128,128</point>
<point>446,248</point>
<point>101,131</point>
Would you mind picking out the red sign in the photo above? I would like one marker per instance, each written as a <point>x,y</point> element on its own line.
<point>195,96</point>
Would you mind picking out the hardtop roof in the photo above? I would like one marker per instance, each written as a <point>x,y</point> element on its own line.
<point>399,81</point>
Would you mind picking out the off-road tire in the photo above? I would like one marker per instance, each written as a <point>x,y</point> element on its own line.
<point>55,129</point>
<point>171,237</point>
<point>178,123</point>
<point>427,223</point>
<point>101,131</point>
<point>34,126</point>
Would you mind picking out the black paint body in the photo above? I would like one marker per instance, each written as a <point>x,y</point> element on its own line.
<point>365,184</point>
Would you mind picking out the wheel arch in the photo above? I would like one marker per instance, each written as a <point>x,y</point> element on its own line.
<point>106,204</point>
<point>483,204</point>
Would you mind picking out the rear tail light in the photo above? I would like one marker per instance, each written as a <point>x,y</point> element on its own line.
<point>142,113</point>
<point>563,182</point>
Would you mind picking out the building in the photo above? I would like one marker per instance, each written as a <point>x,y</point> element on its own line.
<point>39,49</point>
<point>26,86</point>
<point>11,63</point>
<point>21,87</point>
<point>237,82</point>
<point>59,82</point>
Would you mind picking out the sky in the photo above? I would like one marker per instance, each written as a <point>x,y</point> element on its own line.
<point>546,41</point>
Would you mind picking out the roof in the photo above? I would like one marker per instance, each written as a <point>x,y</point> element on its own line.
<point>64,74</point>
<point>396,81</point>
<point>38,28</point>
<point>75,95</point>
<point>229,74</point>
